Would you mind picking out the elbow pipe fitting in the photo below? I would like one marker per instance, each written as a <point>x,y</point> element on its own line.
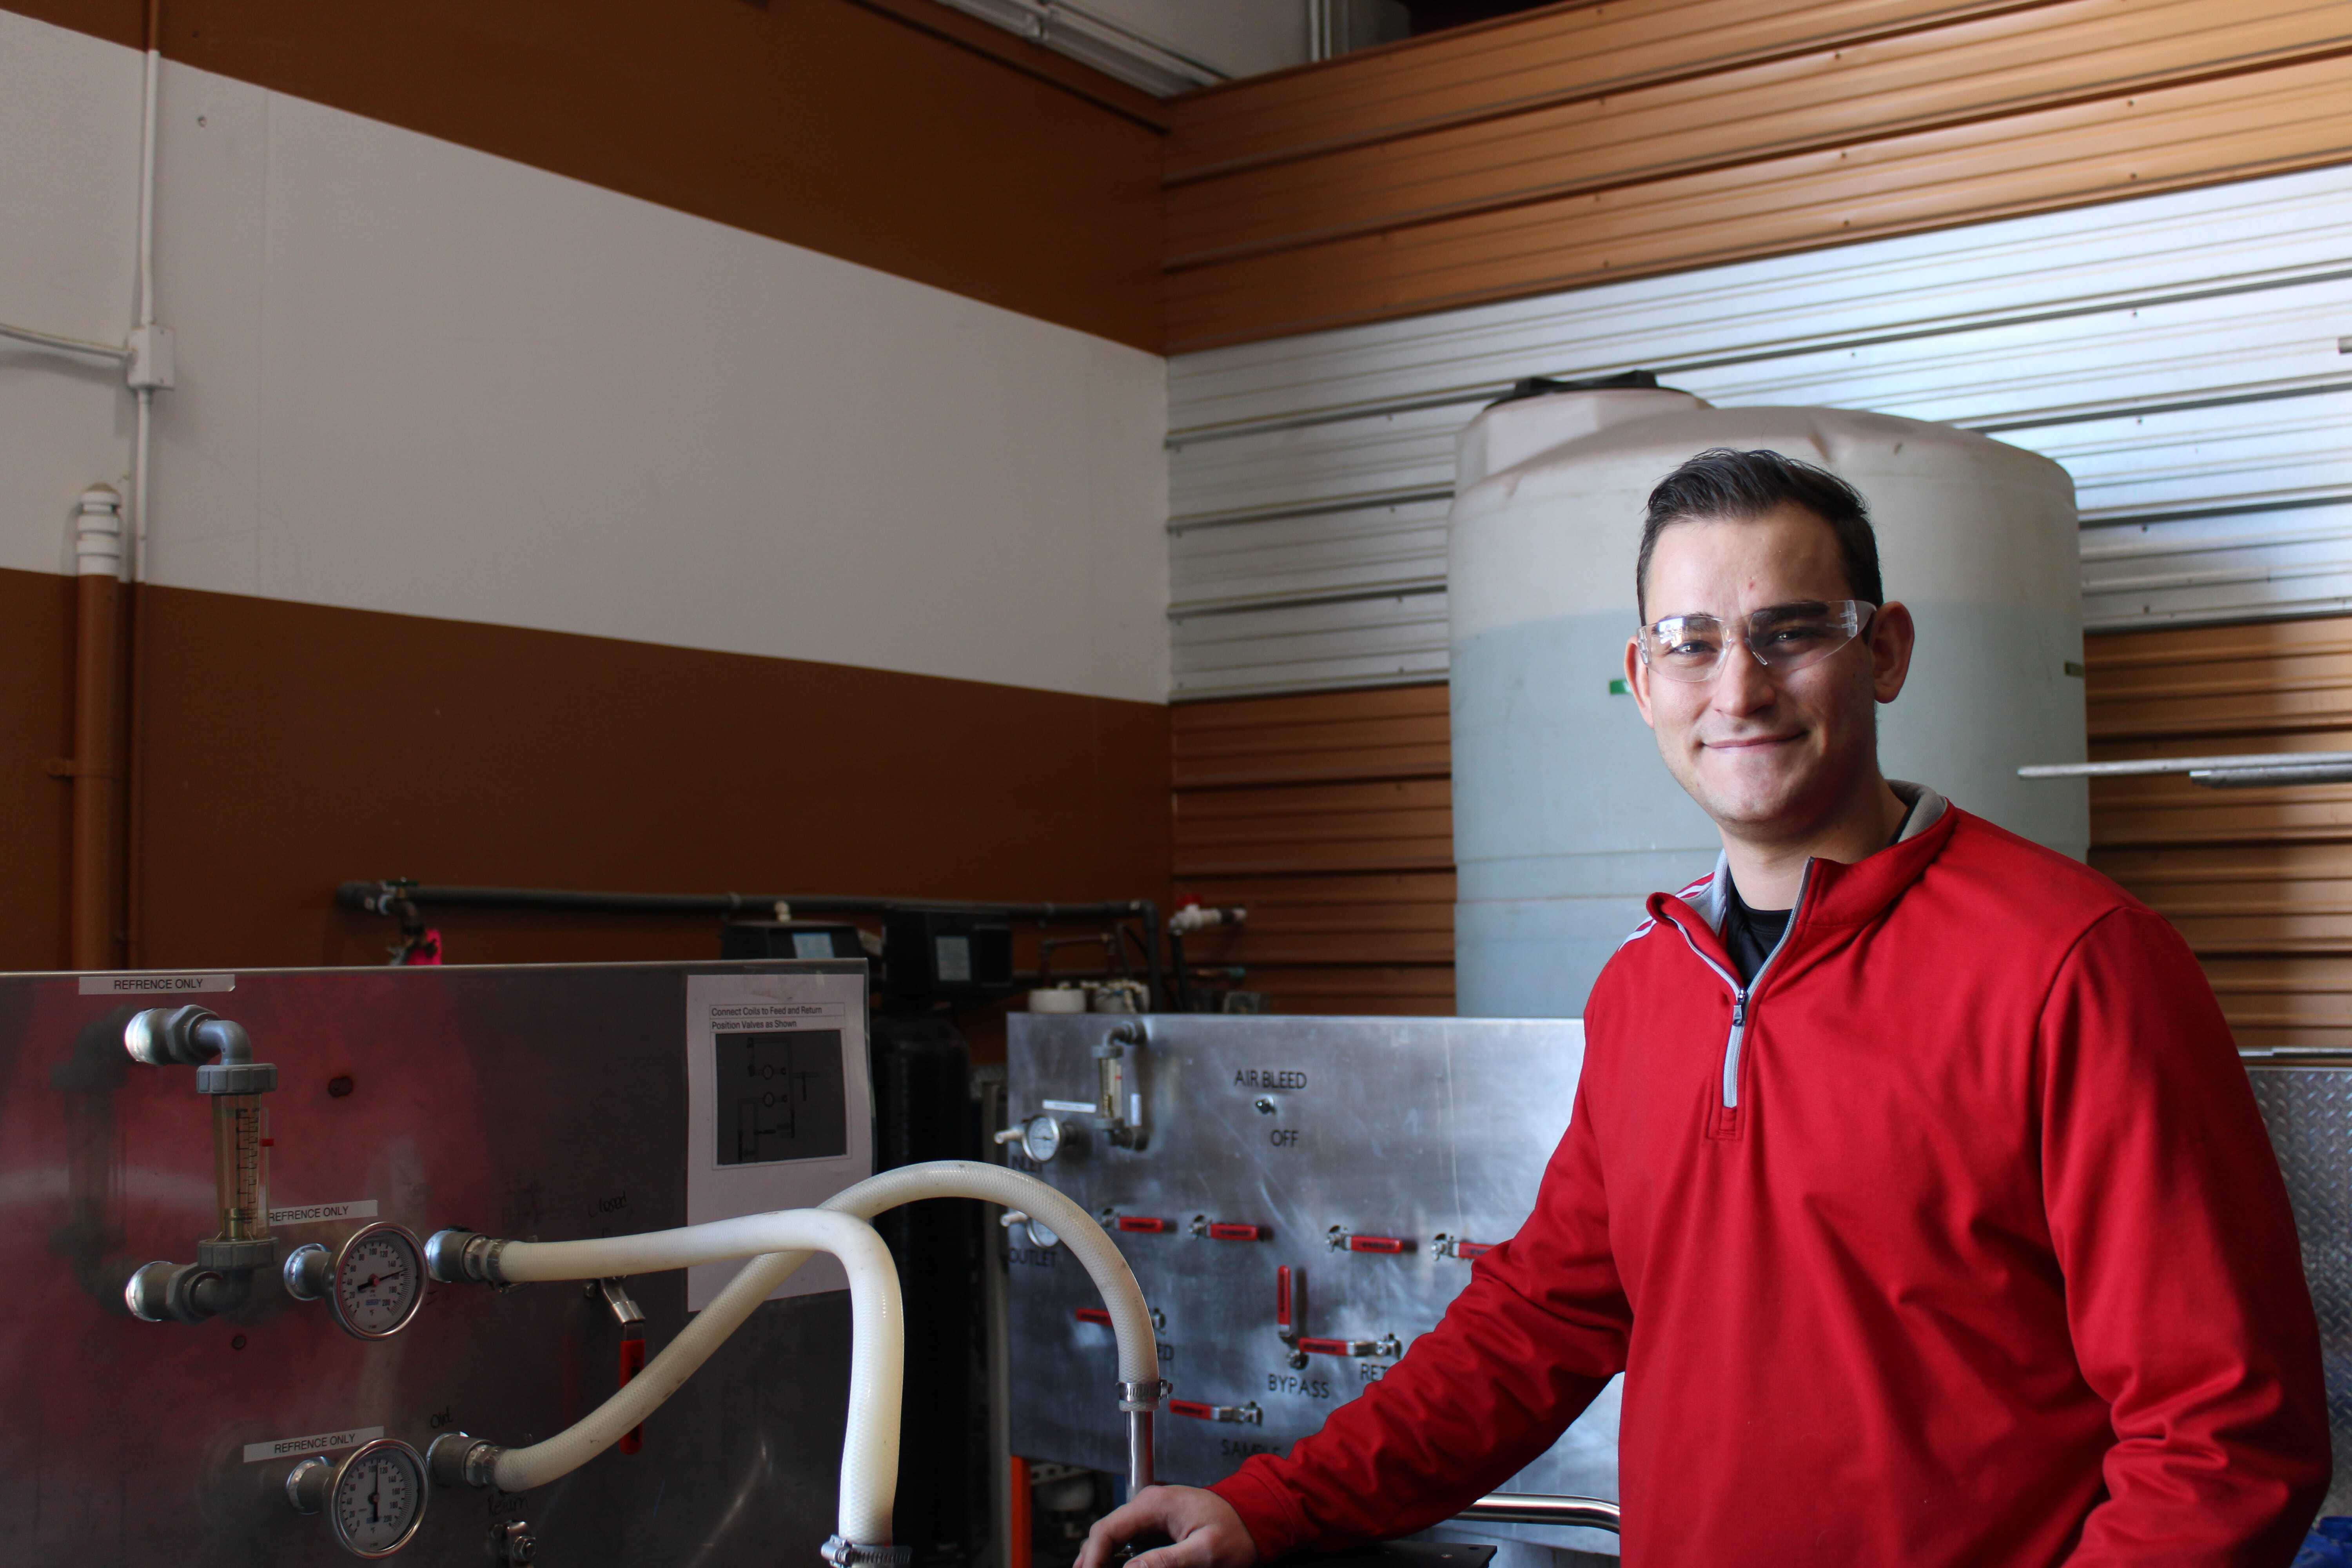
<point>161,1037</point>
<point>185,1292</point>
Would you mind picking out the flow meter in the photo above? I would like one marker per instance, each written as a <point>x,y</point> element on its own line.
<point>374,1282</point>
<point>373,1501</point>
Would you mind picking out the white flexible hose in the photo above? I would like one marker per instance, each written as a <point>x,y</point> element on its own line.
<point>869,1449</point>
<point>520,1469</point>
<point>1130,1317</point>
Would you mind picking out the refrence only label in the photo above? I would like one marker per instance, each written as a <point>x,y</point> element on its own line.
<point>317,1442</point>
<point>1268,1078</point>
<point>154,984</point>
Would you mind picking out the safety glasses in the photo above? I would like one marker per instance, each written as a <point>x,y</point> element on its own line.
<point>1781,637</point>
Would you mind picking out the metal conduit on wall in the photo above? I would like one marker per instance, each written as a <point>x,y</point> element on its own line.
<point>2182,354</point>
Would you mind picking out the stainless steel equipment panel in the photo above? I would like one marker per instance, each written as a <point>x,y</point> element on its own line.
<point>1396,1132</point>
<point>1406,1129</point>
<point>545,1103</point>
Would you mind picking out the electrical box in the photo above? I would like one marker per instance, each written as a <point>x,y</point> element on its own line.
<point>789,939</point>
<point>946,955</point>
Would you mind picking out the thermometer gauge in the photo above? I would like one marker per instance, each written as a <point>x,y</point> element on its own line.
<point>374,1282</point>
<point>373,1501</point>
<point>1041,1139</point>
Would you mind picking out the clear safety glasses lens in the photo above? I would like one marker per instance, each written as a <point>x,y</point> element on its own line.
<point>1782,637</point>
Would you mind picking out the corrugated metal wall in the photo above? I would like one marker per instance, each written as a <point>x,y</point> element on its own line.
<point>2182,354</point>
<point>1597,141</point>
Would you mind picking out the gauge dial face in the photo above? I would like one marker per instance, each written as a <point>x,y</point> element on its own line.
<point>378,1497</point>
<point>1041,1138</point>
<point>379,1282</point>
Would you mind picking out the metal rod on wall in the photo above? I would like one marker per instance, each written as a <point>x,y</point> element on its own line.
<point>382,897</point>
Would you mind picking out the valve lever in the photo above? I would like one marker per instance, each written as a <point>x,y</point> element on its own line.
<point>632,1318</point>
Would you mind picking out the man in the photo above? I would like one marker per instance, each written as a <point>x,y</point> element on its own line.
<point>1912,1181</point>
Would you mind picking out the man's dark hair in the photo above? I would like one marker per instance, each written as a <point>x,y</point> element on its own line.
<point>1739,486</point>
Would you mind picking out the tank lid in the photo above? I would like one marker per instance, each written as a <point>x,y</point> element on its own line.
<point>1545,386</point>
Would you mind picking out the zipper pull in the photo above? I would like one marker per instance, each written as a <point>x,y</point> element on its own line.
<point>1739,1007</point>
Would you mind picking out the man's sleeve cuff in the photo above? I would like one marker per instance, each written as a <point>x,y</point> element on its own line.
<point>1268,1512</point>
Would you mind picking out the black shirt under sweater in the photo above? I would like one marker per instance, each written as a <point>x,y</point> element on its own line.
<point>1750,935</point>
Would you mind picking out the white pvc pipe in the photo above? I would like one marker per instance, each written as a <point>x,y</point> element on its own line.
<point>869,1451</point>
<point>520,1469</point>
<point>143,437</point>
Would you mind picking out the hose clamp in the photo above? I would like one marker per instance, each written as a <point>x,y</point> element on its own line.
<point>845,1554</point>
<point>1142,1395</point>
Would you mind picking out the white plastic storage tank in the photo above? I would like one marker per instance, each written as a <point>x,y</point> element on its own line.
<point>1564,815</point>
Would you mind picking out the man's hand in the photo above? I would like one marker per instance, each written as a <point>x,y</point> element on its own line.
<point>1203,1530</point>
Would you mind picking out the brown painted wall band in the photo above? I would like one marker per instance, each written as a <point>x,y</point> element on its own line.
<point>293,746</point>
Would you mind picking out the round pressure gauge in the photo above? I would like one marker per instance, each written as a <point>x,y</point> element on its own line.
<point>377,1281</point>
<point>373,1501</point>
<point>1041,1138</point>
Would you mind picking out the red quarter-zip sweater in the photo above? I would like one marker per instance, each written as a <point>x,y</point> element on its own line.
<point>1964,1245</point>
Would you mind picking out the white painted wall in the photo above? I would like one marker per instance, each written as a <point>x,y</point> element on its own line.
<point>417,378</point>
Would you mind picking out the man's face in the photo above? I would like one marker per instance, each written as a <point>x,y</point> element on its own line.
<point>1775,753</point>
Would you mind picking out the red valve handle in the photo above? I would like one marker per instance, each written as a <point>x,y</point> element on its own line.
<point>632,1362</point>
<point>1093,1315</point>
<point>1192,1407</point>
<point>1218,1232</point>
<point>1139,1223</point>
<point>1466,1250</point>
<point>1282,1297</point>
<point>1327,1347</point>
<point>1390,1244</point>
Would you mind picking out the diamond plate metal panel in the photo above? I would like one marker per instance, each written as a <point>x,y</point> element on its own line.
<point>2309,1111</point>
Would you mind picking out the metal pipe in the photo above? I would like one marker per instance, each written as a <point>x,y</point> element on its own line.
<point>376,899</point>
<point>379,898</point>
<point>1544,1508</point>
<point>2247,778</point>
<point>2145,767</point>
<point>1141,1469</point>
